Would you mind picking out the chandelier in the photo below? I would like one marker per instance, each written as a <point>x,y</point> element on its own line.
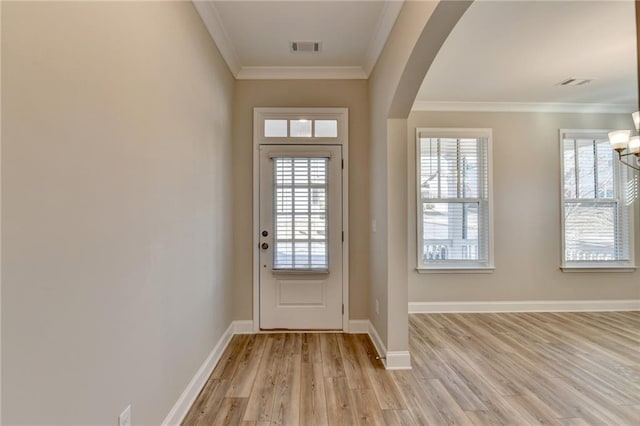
<point>625,144</point>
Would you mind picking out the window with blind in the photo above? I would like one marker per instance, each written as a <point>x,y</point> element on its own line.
<point>300,203</point>
<point>598,195</point>
<point>453,194</point>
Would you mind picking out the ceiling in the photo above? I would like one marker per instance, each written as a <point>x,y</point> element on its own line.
<point>502,55</point>
<point>254,36</point>
<point>511,54</point>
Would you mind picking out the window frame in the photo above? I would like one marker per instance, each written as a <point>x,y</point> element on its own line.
<point>592,265</point>
<point>454,266</point>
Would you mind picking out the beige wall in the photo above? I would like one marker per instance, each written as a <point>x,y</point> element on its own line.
<point>351,94</point>
<point>116,162</point>
<point>526,198</point>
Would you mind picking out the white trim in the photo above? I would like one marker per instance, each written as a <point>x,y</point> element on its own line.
<point>386,21</point>
<point>596,268</point>
<point>340,114</point>
<point>358,327</point>
<point>301,73</point>
<point>211,18</point>
<point>398,360</point>
<point>243,327</point>
<point>189,395</point>
<point>381,349</point>
<point>256,225</point>
<point>344,128</point>
<point>525,306</point>
<point>457,270</point>
<point>523,107</point>
<point>392,360</point>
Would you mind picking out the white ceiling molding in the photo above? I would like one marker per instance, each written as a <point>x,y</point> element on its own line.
<point>523,107</point>
<point>379,38</point>
<point>212,21</point>
<point>301,73</point>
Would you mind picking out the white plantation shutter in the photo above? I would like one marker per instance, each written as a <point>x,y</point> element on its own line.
<point>598,193</point>
<point>301,215</point>
<point>454,217</point>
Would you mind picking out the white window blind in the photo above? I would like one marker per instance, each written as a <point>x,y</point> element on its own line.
<point>454,217</point>
<point>597,201</point>
<point>300,204</point>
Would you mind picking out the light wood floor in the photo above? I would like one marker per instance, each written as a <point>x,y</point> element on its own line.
<point>516,369</point>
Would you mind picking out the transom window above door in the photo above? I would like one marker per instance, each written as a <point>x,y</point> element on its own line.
<point>320,127</point>
<point>301,128</point>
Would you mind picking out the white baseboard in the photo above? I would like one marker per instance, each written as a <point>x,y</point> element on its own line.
<point>243,327</point>
<point>398,360</point>
<point>189,395</point>
<point>377,343</point>
<point>358,327</point>
<point>525,306</point>
<point>392,360</point>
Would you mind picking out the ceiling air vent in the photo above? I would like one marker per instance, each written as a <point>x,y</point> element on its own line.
<point>571,81</point>
<point>305,46</point>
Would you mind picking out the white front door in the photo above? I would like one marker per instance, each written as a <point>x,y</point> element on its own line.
<point>301,237</point>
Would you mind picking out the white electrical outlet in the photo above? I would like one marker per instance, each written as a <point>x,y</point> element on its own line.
<point>377,307</point>
<point>125,418</point>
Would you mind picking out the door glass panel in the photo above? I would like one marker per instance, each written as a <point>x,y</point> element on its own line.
<point>300,128</point>
<point>326,129</point>
<point>300,206</point>
<point>275,128</point>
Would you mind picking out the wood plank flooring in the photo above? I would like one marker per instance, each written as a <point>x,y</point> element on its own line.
<point>510,369</point>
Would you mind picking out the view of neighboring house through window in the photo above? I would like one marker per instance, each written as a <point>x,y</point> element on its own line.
<point>598,194</point>
<point>453,198</point>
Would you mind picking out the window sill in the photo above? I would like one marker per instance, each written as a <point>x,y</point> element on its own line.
<point>457,270</point>
<point>599,268</point>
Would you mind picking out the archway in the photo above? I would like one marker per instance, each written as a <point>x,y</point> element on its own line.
<point>419,32</point>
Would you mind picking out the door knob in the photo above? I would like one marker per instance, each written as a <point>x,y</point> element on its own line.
<point>264,246</point>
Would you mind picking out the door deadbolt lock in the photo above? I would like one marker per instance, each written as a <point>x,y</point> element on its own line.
<point>264,246</point>
<point>265,233</point>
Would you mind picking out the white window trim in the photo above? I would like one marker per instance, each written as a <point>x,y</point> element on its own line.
<point>592,267</point>
<point>456,270</point>
<point>342,116</point>
<point>450,267</point>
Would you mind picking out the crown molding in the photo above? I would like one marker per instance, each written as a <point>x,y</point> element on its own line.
<point>301,73</point>
<point>523,107</point>
<point>387,20</point>
<point>211,18</point>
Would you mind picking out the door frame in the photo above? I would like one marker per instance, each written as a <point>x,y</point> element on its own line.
<point>342,116</point>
